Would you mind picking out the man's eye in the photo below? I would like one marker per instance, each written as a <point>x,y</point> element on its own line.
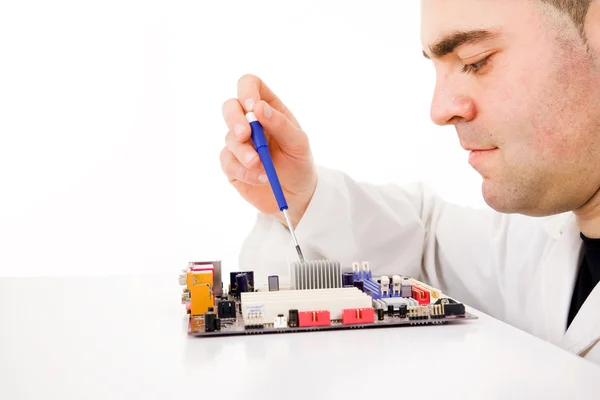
<point>475,67</point>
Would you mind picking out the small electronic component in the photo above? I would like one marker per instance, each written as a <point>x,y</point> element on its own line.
<point>185,296</point>
<point>405,288</point>
<point>200,284</point>
<point>226,309</point>
<point>347,279</point>
<point>211,322</point>
<point>183,277</point>
<point>434,293</point>
<point>358,316</point>
<point>367,270</point>
<point>418,313</point>
<point>293,318</point>
<point>241,281</point>
<point>255,319</point>
<point>233,285</point>
<point>280,321</point>
<point>217,278</point>
<point>319,296</point>
<point>451,307</point>
<point>273,283</point>
<point>402,310</point>
<point>422,296</point>
<point>396,285</point>
<point>314,318</point>
<point>437,311</point>
<point>385,286</point>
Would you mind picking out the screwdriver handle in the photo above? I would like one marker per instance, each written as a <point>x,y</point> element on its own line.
<point>260,144</point>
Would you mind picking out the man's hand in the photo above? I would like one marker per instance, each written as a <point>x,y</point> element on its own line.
<point>288,145</point>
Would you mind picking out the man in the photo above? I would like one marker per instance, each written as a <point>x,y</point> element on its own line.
<point>520,81</point>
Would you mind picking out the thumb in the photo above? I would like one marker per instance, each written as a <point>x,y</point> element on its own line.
<point>280,128</point>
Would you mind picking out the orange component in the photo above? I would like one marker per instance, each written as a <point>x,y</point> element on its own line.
<point>200,285</point>
<point>314,318</point>
<point>358,316</point>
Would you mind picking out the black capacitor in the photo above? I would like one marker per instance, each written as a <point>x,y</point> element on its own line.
<point>390,310</point>
<point>218,324</point>
<point>210,321</point>
<point>242,282</point>
<point>348,279</point>
<point>380,314</point>
<point>403,310</point>
<point>293,318</point>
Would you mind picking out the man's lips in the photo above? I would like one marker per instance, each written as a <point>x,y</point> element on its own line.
<point>477,156</point>
<point>478,148</point>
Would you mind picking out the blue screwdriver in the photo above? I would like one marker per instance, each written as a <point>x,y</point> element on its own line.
<point>260,144</point>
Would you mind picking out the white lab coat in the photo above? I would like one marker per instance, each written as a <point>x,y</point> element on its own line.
<point>515,268</point>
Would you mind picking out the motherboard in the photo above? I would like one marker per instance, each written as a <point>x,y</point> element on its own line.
<point>320,295</point>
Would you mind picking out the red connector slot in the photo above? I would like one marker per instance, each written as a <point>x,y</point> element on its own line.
<point>422,296</point>
<point>314,318</point>
<point>358,316</point>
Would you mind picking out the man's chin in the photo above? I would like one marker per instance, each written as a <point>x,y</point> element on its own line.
<point>506,202</point>
<point>500,200</point>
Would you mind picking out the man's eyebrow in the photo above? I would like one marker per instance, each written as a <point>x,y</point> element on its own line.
<point>449,43</point>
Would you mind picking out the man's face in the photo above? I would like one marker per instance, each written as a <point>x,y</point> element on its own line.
<point>532,95</point>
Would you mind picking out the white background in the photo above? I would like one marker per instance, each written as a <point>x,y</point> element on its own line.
<point>111,126</point>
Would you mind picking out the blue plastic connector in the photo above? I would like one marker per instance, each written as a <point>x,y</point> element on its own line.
<point>372,288</point>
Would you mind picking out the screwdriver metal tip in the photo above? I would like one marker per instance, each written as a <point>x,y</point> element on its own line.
<point>291,229</point>
<point>300,253</point>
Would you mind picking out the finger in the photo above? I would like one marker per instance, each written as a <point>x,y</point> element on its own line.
<point>235,119</point>
<point>237,172</point>
<point>245,152</point>
<point>287,135</point>
<point>251,89</point>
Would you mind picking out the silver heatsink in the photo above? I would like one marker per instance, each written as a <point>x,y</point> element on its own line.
<point>316,274</point>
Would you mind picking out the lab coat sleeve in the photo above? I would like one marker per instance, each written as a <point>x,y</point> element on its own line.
<point>404,229</point>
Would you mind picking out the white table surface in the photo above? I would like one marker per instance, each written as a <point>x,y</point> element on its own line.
<point>125,337</point>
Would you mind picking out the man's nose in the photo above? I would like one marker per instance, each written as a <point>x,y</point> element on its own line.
<point>449,107</point>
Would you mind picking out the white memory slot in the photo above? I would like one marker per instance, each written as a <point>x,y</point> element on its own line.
<point>308,292</point>
<point>333,300</point>
<point>256,296</point>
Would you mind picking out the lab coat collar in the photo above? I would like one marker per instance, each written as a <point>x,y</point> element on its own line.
<point>556,224</point>
<point>585,328</point>
<point>559,272</point>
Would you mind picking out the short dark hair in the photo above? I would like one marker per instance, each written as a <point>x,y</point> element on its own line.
<point>576,10</point>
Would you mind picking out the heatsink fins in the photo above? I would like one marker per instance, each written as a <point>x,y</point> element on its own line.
<point>316,274</point>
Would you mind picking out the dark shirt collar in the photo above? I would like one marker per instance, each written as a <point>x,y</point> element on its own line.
<point>591,251</point>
